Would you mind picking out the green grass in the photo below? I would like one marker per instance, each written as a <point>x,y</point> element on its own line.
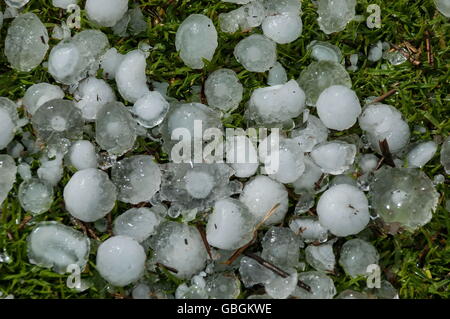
<point>417,264</point>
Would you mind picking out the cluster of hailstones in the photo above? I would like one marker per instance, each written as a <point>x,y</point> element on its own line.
<point>89,135</point>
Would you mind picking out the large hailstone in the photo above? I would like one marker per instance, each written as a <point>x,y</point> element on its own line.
<point>82,155</point>
<point>344,210</point>
<point>283,162</point>
<point>71,60</point>
<point>321,257</point>
<point>311,133</point>
<point>256,53</point>
<point>421,154</point>
<point>91,95</point>
<point>281,247</point>
<point>196,186</point>
<point>276,104</point>
<point>223,90</point>
<point>322,286</point>
<point>242,156</point>
<point>115,129</point>
<point>179,246</point>
<point>54,245</point>
<point>58,120</point>
<point>38,94</point>
<point>319,76</point>
<point>26,43</point>
<point>231,225</point>
<point>89,195</point>
<point>137,223</point>
<point>150,109</point>
<point>356,256</point>
<point>8,121</point>
<point>35,196</point>
<point>106,13</point>
<point>334,15</point>
<point>137,178</point>
<point>324,51</point>
<point>261,195</point>
<point>8,171</point>
<point>334,157</point>
<point>403,196</point>
<point>120,260</point>
<point>130,76</point>
<point>443,6</point>
<point>183,117</point>
<point>382,121</point>
<point>196,39</point>
<point>338,107</point>
<point>283,28</point>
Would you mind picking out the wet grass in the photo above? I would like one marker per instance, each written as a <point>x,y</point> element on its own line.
<point>417,264</point>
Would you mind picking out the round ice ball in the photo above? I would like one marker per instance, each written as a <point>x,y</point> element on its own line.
<point>35,196</point>
<point>120,260</point>
<point>344,210</point>
<point>150,109</point>
<point>196,39</point>
<point>231,225</point>
<point>404,196</point>
<point>223,90</point>
<point>261,195</point>
<point>283,28</point>
<point>256,53</point>
<point>384,122</point>
<point>106,13</point>
<point>179,246</point>
<point>338,107</point>
<point>89,195</point>
<point>82,155</point>
<point>356,256</point>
